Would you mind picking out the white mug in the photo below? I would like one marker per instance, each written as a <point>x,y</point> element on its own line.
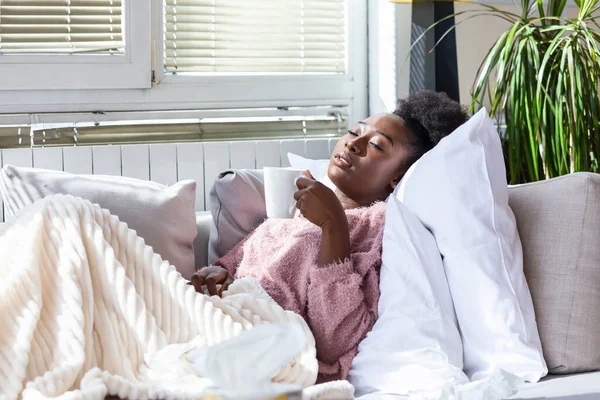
<point>280,186</point>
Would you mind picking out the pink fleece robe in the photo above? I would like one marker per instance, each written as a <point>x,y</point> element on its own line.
<point>338,301</point>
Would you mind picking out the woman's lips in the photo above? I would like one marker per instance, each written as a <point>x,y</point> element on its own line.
<point>342,161</point>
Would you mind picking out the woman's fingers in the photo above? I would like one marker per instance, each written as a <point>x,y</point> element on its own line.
<point>225,285</point>
<point>211,283</point>
<point>198,281</point>
<point>299,194</point>
<point>309,175</point>
<point>209,279</point>
<point>303,182</point>
<point>222,289</point>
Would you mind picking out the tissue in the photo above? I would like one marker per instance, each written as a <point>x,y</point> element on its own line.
<point>317,168</point>
<point>242,367</point>
<point>169,370</point>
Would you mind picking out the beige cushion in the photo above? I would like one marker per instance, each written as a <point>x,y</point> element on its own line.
<point>163,216</point>
<point>559,224</point>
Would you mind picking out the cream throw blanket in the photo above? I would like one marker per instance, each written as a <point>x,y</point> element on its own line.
<point>83,300</point>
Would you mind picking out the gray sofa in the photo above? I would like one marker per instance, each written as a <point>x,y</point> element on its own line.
<point>559,225</point>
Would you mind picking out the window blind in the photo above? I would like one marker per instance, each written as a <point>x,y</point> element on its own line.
<point>61,26</point>
<point>255,36</point>
<point>208,129</point>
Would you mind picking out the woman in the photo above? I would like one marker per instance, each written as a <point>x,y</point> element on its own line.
<point>324,264</point>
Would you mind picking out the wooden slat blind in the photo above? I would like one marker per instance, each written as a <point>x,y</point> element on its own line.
<point>255,36</point>
<point>61,26</point>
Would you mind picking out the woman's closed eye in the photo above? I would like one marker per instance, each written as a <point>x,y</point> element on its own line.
<point>376,146</point>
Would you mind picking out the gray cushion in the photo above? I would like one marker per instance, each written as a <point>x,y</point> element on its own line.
<point>237,204</point>
<point>559,224</point>
<point>203,224</point>
<point>163,216</point>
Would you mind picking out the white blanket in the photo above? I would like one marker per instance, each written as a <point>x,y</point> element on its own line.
<point>83,299</point>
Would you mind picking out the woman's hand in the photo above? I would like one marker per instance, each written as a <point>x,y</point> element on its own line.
<point>318,203</point>
<point>211,277</point>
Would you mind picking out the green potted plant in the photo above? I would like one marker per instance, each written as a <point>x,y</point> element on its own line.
<point>542,77</point>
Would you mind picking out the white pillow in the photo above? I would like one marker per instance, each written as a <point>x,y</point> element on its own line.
<point>458,190</point>
<point>415,344</point>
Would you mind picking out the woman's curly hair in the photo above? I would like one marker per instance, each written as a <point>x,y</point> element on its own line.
<point>430,116</point>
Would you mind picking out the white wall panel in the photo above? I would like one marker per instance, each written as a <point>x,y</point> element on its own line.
<point>106,160</point>
<point>190,165</point>
<point>163,163</point>
<point>332,143</point>
<point>135,161</point>
<point>48,158</point>
<point>77,159</point>
<point>291,146</point>
<point>268,154</point>
<point>317,149</point>
<point>168,163</point>
<point>242,155</point>
<point>18,157</point>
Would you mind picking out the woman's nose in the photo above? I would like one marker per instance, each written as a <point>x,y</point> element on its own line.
<point>353,147</point>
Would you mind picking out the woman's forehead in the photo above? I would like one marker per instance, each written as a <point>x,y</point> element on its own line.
<point>391,124</point>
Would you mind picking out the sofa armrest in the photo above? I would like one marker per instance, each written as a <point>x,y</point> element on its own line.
<point>203,224</point>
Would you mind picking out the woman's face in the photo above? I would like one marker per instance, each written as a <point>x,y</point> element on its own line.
<point>366,163</point>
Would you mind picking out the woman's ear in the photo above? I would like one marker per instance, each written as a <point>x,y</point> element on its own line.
<point>395,181</point>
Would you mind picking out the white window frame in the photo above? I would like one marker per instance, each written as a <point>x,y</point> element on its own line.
<point>216,92</point>
<point>389,54</point>
<point>130,70</point>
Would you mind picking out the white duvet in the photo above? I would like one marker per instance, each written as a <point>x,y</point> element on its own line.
<point>83,300</point>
